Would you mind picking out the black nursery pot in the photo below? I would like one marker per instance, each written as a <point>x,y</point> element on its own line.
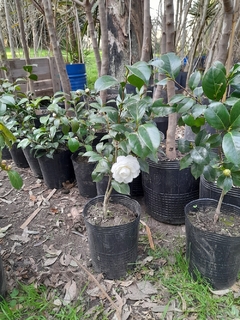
<point>3,284</point>
<point>57,170</point>
<point>135,186</point>
<point>18,157</point>
<point>216,257</point>
<point>83,173</point>
<point>167,190</point>
<point>113,249</point>
<point>210,190</point>
<point>33,162</point>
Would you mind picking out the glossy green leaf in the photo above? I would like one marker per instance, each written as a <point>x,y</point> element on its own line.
<point>73,144</point>
<point>197,170</point>
<point>8,100</point>
<point>185,162</point>
<point>189,120</point>
<point>168,64</point>
<point>136,81</point>
<point>218,116</point>
<point>201,138</point>
<point>15,179</point>
<point>74,125</point>
<point>52,132</point>
<point>185,105</point>
<point>215,140</point>
<point>200,155</point>
<point>105,82</point>
<point>214,81</point>
<point>93,156</point>
<point>150,136</point>
<point>194,80</point>
<point>121,187</point>
<point>137,110</point>
<point>140,70</point>
<point>236,178</point>
<point>33,77</point>
<point>198,110</point>
<point>24,143</point>
<point>184,146</point>
<point>210,173</point>
<point>137,145</point>
<point>225,183</point>
<point>231,146</point>
<point>235,116</point>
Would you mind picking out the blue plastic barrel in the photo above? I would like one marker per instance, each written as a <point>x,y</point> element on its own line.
<point>77,75</point>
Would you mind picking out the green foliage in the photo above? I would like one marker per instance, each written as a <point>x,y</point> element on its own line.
<point>216,156</point>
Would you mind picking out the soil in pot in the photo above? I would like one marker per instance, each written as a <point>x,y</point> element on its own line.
<point>213,249</point>
<point>113,241</point>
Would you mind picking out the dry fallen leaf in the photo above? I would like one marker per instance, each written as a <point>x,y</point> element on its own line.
<point>51,250</point>
<point>70,293</point>
<point>3,230</point>
<point>146,287</point>
<point>220,292</point>
<point>48,262</point>
<point>65,259</point>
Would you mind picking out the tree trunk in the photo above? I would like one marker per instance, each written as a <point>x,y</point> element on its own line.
<point>146,46</point>
<point>56,50</point>
<point>24,43</point>
<point>4,60</point>
<point>9,29</point>
<point>87,5</point>
<point>170,47</point>
<point>223,45</point>
<point>125,35</point>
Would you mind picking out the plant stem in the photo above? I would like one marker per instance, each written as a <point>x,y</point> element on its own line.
<point>218,209</point>
<point>107,196</point>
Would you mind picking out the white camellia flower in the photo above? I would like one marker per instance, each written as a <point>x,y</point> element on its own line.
<point>125,169</point>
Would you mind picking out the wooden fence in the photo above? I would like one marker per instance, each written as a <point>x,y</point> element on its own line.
<point>48,81</point>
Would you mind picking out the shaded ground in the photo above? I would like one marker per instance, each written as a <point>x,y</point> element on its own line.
<point>41,250</point>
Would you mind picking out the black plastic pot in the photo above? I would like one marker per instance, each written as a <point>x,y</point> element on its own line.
<point>6,155</point>
<point>3,286</point>
<point>18,157</point>
<point>167,190</point>
<point>33,162</point>
<point>162,124</point>
<point>215,256</point>
<point>57,170</point>
<point>83,173</point>
<point>210,190</point>
<point>136,188</point>
<point>114,249</point>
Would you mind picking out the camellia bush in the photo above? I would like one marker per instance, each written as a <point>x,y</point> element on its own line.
<point>131,136</point>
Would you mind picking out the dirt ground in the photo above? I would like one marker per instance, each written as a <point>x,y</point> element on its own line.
<point>42,249</point>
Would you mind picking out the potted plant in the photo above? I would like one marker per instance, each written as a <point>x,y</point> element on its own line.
<point>49,144</point>
<point>212,227</point>
<point>112,220</point>
<point>167,189</point>
<point>6,140</point>
<point>85,132</point>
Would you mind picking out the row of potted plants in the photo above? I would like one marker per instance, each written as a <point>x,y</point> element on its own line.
<point>131,144</point>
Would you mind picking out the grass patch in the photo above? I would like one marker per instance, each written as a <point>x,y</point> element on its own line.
<point>166,270</point>
<point>193,298</point>
<point>28,303</point>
